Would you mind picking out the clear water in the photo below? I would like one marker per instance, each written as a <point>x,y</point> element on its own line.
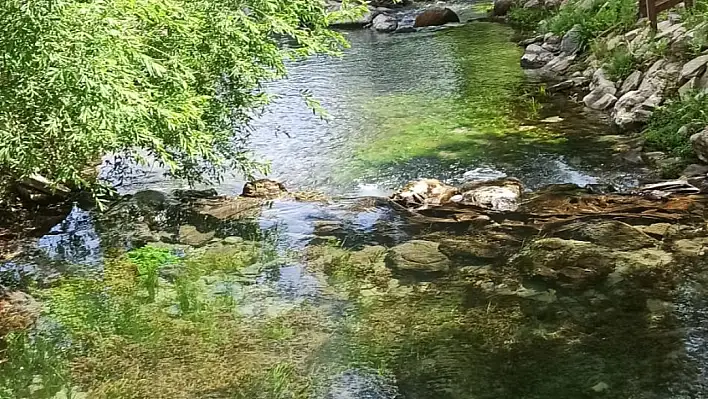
<point>453,105</point>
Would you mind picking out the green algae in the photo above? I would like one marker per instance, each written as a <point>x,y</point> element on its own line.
<point>465,124</point>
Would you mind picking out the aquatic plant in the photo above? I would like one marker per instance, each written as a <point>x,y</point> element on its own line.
<point>148,261</point>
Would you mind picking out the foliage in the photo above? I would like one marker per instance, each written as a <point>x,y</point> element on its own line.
<point>171,80</point>
<point>620,63</point>
<point>664,131</point>
<point>619,15</point>
<point>527,19</point>
<point>148,261</point>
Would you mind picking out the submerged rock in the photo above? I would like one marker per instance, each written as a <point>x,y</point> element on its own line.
<point>609,233</point>
<point>435,17</point>
<point>264,188</point>
<point>497,195</point>
<point>359,384</point>
<point>418,256</point>
<point>18,311</point>
<point>189,235</point>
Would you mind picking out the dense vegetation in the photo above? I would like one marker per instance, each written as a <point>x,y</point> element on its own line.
<point>174,81</point>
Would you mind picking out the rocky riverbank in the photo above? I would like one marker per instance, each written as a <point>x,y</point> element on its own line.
<point>615,64</point>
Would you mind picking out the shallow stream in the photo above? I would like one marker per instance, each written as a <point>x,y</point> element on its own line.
<point>315,310</point>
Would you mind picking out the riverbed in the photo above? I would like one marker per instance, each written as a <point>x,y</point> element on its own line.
<point>296,299</point>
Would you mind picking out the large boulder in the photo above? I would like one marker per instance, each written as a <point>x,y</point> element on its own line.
<point>631,82</point>
<point>418,256</point>
<point>423,193</point>
<point>384,23</point>
<point>699,142</point>
<point>636,107</point>
<point>497,195</point>
<point>502,7</point>
<point>435,17</point>
<point>535,57</point>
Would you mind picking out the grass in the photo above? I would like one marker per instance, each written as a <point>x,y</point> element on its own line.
<point>617,15</point>
<point>527,19</point>
<point>663,131</point>
<point>620,63</point>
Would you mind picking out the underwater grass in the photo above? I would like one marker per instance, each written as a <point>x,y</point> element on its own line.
<point>124,338</point>
<point>458,125</point>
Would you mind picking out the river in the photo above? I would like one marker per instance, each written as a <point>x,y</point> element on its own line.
<point>451,104</point>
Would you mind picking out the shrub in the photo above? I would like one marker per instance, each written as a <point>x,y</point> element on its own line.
<point>170,80</point>
<point>664,131</point>
<point>602,16</point>
<point>527,19</point>
<point>620,63</point>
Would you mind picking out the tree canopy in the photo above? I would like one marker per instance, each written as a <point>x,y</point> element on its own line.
<point>170,80</point>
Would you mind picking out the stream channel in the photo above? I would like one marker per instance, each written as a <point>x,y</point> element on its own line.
<point>295,299</point>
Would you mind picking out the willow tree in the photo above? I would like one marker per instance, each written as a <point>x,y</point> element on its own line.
<point>175,81</point>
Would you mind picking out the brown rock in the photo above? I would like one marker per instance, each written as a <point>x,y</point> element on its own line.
<point>264,188</point>
<point>435,17</point>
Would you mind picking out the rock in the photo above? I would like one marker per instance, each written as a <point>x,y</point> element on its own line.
<point>558,65</point>
<point>572,41</point>
<point>699,142</point>
<point>435,17</point>
<point>406,29</point>
<point>690,247</point>
<point>655,229</point>
<point>694,170</point>
<point>227,208</point>
<point>694,68</point>
<point>483,247</point>
<point>602,94</point>
<point>550,38</point>
<point>189,235</point>
<point>533,40</point>
<point>18,312</point>
<point>498,195</point>
<point>361,384</point>
<point>424,192</point>
<point>264,188</point>
<point>553,48</point>
<point>389,3</point>
<point>599,101</point>
<point>562,86</point>
<point>612,234</point>
<point>529,4</point>
<point>233,240</point>
<point>568,262</point>
<point>361,22</point>
<point>384,23</point>
<point>631,82</point>
<point>580,264</point>
<point>502,7</point>
<point>535,57</point>
<point>418,256</point>
<point>636,106</point>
